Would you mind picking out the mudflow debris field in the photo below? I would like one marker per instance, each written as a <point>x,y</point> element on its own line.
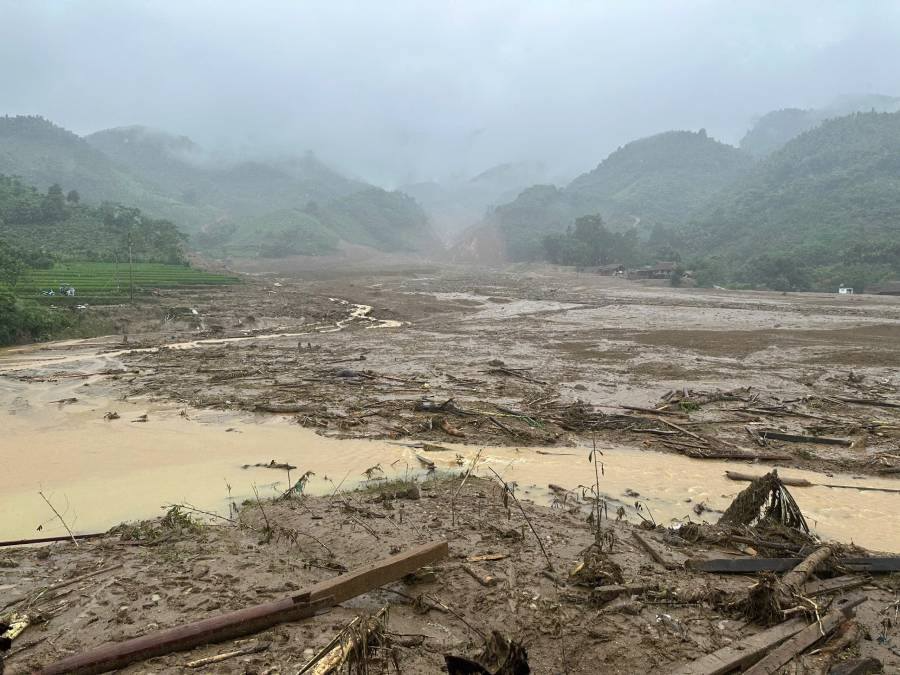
<point>544,358</point>
<point>439,364</point>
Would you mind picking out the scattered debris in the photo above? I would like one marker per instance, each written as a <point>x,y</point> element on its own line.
<point>500,656</point>
<point>766,501</point>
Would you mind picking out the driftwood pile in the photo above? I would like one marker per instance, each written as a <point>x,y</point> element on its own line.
<point>800,611</point>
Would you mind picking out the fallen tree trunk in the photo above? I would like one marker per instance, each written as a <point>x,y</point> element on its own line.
<point>793,580</point>
<point>802,482</point>
<point>251,620</point>
<point>747,478</point>
<point>47,540</point>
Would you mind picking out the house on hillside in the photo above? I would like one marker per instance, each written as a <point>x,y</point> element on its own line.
<point>661,270</point>
<point>887,288</point>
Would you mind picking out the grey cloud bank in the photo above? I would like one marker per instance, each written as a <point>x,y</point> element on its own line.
<point>399,91</point>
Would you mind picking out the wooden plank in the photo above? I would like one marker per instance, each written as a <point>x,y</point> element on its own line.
<point>807,637</point>
<point>801,438</point>
<point>843,583</point>
<point>753,565</point>
<point>647,546</point>
<point>746,651</point>
<point>379,573</point>
<point>113,655</point>
<point>865,666</point>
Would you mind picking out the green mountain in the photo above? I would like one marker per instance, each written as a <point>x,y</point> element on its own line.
<point>43,154</point>
<point>387,221</point>
<point>829,201</point>
<point>274,207</point>
<point>52,224</point>
<point>176,165</point>
<point>774,129</point>
<point>655,182</point>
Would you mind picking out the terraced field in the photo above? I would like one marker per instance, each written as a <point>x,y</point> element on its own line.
<point>107,283</point>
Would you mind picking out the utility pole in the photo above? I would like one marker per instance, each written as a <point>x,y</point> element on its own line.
<point>131,271</point>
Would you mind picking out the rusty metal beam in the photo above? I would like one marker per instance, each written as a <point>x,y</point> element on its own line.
<point>251,620</point>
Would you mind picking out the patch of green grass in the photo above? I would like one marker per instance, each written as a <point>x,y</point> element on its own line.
<point>104,283</point>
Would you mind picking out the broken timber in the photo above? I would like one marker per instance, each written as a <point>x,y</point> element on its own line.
<point>648,547</point>
<point>250,620</point>
<point>730,658</point>
<point>802,482</point>
<point>752,565</point>
<point>805,638</point>
<point>800,438</point>
<point>843,583</point>
<point>47,540</point>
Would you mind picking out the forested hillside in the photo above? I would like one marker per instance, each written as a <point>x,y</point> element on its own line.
<point>60,226</point>
<point>388,221</point>
<point>244,208</point>
<point>37,228</point>
<point>655,182</point>
<point>821,211</point>
<point>774,129</point>
<point>273,208</point>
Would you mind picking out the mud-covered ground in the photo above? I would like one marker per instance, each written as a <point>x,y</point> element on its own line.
<point>158,574</point>
<point>539,356</point>
<point>521,357</point>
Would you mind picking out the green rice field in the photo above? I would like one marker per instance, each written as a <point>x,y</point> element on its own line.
<point>108,283</point>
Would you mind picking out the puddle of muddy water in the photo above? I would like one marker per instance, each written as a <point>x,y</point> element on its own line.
<point>99,473</point>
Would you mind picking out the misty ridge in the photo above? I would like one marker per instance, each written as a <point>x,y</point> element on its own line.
<point>514,152</point>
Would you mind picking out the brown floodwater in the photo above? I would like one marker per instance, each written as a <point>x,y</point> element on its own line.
<point>98,473</point>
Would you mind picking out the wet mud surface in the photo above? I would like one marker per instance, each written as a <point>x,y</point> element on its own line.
<point>536,357</point>
<point>367,378</point>
<point>159,574</point>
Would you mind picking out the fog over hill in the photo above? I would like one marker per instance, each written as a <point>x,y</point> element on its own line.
<point>400,93</point>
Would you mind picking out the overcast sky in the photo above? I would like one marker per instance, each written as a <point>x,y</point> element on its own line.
<point>398,91</point>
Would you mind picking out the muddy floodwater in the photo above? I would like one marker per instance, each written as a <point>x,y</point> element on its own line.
<point>100,472</point>
<point>528,358</point>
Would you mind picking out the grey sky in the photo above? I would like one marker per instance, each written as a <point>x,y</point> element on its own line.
<point>396,91</point>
